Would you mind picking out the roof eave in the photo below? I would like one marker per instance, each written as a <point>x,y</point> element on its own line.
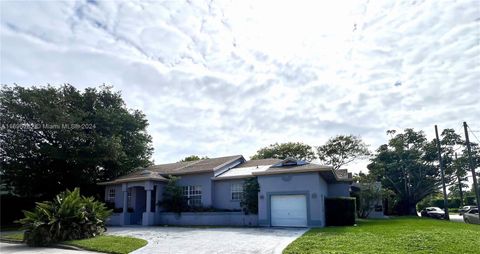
<point>289,171</point>
<point>188,172</point>
<point>129,180</point>
<point>231,177</point>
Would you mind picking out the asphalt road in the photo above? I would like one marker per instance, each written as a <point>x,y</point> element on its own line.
<point>453,217</point>
<point>456,218</point>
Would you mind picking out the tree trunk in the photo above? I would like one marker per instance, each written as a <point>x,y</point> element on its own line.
<point>460,190</point>
<point>412,209</point>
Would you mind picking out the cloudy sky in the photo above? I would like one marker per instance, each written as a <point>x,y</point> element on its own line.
<point>228,77</point>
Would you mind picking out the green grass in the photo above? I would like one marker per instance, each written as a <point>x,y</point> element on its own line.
<point>12,227</point>
<point>109,244</point>
<point>398,235</point>
<point>12,236</point>
<point>103,243</point>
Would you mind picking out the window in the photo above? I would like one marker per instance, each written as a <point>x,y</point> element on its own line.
<point>111,195</point>
<point>237,191</point>
<point>193,194</point>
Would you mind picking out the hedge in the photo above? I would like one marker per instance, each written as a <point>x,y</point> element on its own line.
<point>452,203</point>
<point>340,211</point>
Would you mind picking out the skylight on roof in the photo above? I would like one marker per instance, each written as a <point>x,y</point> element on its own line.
<point>290,162</point>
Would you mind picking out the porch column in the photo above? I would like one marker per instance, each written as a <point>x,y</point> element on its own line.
<point>125,204</point>
<point>157,199</point>
<point>148,217</point>
<point>149,200</point>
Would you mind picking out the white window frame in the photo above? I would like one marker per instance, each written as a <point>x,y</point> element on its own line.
<point>111,195</point>
<point>236,191</point>
<point>193,194</point>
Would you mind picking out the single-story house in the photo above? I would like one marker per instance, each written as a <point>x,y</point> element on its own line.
<point>292,192</point>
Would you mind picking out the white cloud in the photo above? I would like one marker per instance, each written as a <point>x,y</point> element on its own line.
<point>219,78</point>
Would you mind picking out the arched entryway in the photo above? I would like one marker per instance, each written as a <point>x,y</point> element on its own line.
<point>137,203</point>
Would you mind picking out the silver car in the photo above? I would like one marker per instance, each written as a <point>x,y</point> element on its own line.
<point>471,216</point>
<point>466,209</point>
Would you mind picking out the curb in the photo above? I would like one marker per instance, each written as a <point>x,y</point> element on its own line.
<point>57,246</point>
<point>66,247</point>
<point>11,241</point>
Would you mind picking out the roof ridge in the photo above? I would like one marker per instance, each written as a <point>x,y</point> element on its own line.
<point>190,164</point>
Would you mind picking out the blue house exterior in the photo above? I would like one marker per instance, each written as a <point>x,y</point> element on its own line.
<point>292,192</point>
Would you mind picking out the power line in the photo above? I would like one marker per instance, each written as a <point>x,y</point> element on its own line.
<point>473,134</point>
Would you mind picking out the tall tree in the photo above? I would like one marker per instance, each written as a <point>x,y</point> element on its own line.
<point>341,150</point>
<point>193,158</point>
<point>57,138</point>
<point>407,165</point>
<point>454,165</point>
<point>295,150</point>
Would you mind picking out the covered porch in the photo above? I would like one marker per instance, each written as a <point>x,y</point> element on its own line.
<point>135,200</point>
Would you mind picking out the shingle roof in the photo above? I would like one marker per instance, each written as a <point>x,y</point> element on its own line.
<point>141,175</point>
<point>157,172</point>
<point>325,171</point>
<point>205,165</point>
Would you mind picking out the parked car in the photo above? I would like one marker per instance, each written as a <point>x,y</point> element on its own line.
<point>433,212</point>
<point>471,216</point>
<point>466,209</point>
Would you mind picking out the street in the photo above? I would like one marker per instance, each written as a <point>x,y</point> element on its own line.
<point>456,218</point>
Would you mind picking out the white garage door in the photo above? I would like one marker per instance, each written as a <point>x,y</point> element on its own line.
<point>289,210</point>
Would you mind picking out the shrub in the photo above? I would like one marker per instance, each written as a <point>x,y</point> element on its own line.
<point>69,216</point>
<point>249,201</point>
<point>453,210</point>
<point>173,199</point>
<point>340,211</point>
<point>438,202</point>
<point>368,198</point>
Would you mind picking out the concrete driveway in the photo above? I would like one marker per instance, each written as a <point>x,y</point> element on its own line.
<point>210,240</point>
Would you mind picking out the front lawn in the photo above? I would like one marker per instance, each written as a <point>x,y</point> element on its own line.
<point>109,244</point>
<point>103,243</point>
<point>398,235</point>
<point>18,237</point>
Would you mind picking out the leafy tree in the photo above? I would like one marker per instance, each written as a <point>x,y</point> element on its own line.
<point>249,201</point>
<point>341,150</point>
<point>52,138</point>
<point>407,165</point>
<point>457,191</point>
<point>369,194</point>
<point>295,150</point>
<point>370,197</point>
<point>193,158</point>
<point>69,216</point>
<point>173,199</point>
<point>450,142</point>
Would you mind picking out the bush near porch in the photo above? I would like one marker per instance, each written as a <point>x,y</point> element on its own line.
<point>397,235</point>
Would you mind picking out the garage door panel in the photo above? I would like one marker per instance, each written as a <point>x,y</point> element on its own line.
<point>288,210</point>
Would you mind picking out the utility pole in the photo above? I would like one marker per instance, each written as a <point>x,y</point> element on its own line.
<point>459,180</point>
<point>445,200</point>
<point>472,168</point>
